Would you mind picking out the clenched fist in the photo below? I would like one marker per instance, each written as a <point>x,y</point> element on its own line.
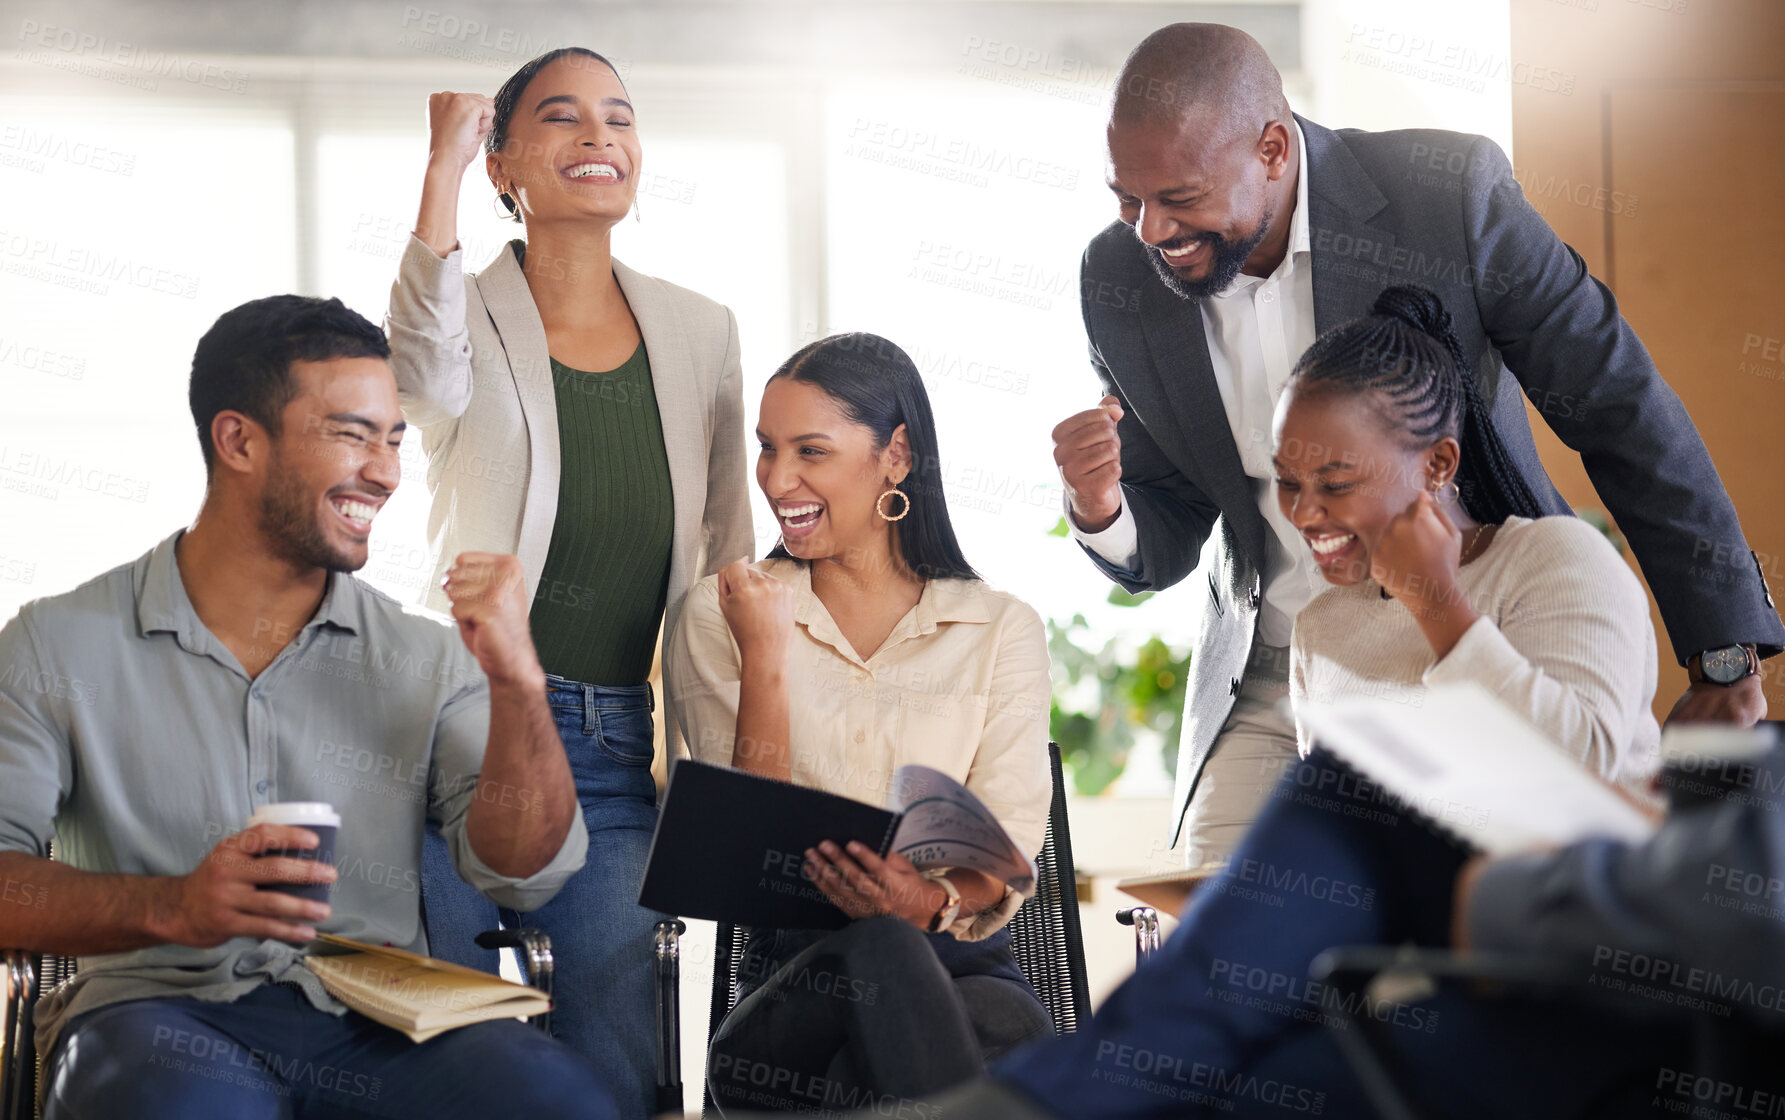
<point>1418,555</point>
<point>1089,454</point>
<point>759,610</point>
<point>489,601</point>
<point>457,125</point>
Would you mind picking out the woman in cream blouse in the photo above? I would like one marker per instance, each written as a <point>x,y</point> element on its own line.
<point>589,419</point>
<point>863,643</point>
<point>1444,569</point>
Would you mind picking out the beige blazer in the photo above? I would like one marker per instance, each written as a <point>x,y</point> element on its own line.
<point>469,354</point>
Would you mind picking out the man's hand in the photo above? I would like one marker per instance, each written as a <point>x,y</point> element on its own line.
<point>1089,454</point>
<point>1742,703</point>
<point>759,610</point>
<point>489,601</point>
<point>219,899</point>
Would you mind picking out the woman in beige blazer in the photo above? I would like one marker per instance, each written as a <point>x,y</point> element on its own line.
<point>589,419</point>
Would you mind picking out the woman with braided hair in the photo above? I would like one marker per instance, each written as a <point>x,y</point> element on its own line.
<point>1442,565</point>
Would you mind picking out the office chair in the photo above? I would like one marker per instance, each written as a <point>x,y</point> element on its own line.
<point>1045,938</point>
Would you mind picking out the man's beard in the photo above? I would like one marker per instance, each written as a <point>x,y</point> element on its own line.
<point>1226,260</point>
<point>288,521</point>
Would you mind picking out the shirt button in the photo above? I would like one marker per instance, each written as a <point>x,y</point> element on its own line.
<point>261,786</point>
<point>1269,296</point>
<point>861,736</point>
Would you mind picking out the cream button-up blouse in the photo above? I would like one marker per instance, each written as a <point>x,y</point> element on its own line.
<point>960,685</point>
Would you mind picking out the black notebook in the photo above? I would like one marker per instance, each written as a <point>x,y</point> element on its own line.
<point>731,847</point>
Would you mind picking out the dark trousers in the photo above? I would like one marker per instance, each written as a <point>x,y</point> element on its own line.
<point>866,1017</point>
<point>1224,1020</point>
<point>271,1056</point>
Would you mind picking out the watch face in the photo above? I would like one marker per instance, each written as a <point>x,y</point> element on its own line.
<point>1725,665</point>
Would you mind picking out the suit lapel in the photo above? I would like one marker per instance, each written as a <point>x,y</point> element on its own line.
<point>1350,257</point>
<point>682,406</point>
<point>1186,395</point>
<point>504,290</point>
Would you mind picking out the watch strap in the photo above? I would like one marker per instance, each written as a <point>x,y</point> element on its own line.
<point>945,914</point>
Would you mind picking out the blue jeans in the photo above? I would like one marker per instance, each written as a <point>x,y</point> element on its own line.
<point>271,1056</point>
<point>605,1000</point>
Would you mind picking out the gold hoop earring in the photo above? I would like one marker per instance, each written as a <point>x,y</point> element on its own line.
<point>881,500</point>
<point>1456,492</point>
<point>501,213</point>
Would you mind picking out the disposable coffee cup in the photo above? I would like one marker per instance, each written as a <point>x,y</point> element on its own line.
<point>317,816</point>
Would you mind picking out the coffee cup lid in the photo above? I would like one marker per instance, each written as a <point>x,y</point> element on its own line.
<point>299,813</point>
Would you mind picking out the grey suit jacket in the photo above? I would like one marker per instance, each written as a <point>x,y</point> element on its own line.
<point>470,358</point>
<point>1443,210</point>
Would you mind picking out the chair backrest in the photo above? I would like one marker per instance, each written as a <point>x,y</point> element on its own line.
<point>1044,934</point>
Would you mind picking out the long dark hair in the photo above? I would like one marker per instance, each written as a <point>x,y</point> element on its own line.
<point>509,96</point>
<point>878,386</point>
<point>1407,350</point>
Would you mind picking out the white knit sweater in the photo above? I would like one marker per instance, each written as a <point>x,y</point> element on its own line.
<point>1564,639</point>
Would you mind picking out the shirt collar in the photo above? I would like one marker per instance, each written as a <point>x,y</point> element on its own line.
<point>942,600</point>
<point>1298,222</point>
<point>163,605</point>
<point>1299,245</point>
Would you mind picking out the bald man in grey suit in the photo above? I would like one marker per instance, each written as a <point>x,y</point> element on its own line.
<point>1245,231</point>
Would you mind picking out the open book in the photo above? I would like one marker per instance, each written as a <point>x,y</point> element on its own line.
<point>417,995</point>
<point>731,846</point>
<point>1473,769</point>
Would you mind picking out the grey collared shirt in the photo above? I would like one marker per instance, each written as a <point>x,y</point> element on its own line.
<point>133,738</point>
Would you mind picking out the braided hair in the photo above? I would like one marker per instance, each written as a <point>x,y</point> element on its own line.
<point>1406,349</point>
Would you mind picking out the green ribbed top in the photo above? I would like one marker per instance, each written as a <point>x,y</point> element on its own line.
<point>606,575</point>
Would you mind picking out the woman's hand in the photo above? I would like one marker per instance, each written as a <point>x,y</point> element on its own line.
<point>1416,560</point>
<point>457,125</point>
<point>1418,554</point>
<point>863,885</point>
<point>759,610</point>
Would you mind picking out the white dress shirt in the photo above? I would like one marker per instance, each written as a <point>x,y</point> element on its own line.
<point>1257,327</point>
<point>961,685</point>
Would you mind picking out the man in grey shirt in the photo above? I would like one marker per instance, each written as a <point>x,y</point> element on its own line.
<point>146,715</point>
